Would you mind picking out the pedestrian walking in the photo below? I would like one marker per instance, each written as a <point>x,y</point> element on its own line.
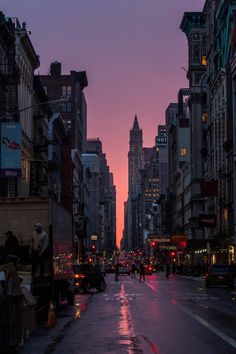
<point>141,272</point>
<point>116,271</point>
<point>133,269</point>
<point>167,270</point>
<point>174,268</point>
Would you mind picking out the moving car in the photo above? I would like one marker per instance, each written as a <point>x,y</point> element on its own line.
<point>148,269</point>
<point>124,268</point>
<point>220,274</point>
<point>109,268</point>
<point>87,277</point>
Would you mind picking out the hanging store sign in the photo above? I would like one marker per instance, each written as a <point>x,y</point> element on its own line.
<point>180,241</point>
<point>207,220</point>
<point>179,238</point>
<point>10,154</point>
<point>168,248</point>
<point>159,239</point>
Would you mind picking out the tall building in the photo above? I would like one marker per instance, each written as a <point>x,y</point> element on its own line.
<point>193,25</point>
<point>220,51</point>
<point>92,201</point>
<point>101,199</point>
<point>135,156</point>
<point>162,149</point>
<point>211,74</point>
<point>124,240</point>
<point>149,192</point>
<point>74,114</point>
<point>18,61</point>
<point>135,164</point>
<point>171,119</point>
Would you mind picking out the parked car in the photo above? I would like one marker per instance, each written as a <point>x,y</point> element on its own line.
<point>220,274</point>
<point>87,277</point>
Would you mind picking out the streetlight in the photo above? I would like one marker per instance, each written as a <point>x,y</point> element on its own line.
<point>9,115</point>
<point>11,133</point>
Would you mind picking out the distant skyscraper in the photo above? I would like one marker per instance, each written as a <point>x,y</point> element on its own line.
<point>101,199</point>
<point>135,164</point>
<point>135,156</point>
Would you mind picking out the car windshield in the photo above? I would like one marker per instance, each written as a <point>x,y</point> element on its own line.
<point>219,269</point>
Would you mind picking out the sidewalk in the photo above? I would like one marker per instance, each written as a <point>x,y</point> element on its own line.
<point>45,339</point>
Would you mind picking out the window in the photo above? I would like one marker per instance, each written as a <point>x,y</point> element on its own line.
<point>204,117</point>
<point>196,54</point>
<point>66,91</point>
<point>67,107</point>
<point>197,77</point>
<point>183,151</point>
<point>204,60</point>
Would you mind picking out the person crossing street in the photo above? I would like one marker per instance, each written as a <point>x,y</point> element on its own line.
<point>141,272</point>
<point>133,269</point>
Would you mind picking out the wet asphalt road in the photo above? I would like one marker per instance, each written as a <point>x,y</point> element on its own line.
<point>166,316</point>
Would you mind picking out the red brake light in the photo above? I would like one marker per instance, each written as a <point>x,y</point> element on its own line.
<point>79,276</point>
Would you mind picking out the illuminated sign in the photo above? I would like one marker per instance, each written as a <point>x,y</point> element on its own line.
<point>162,247</point>
<point>159,239</point>
<point>207,220</point>
<point>161,140</point>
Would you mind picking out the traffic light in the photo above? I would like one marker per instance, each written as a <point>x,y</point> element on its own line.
<point>93,249</point>
<point>153,244</point>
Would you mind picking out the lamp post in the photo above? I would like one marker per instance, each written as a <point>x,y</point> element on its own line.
<point>9,115</point>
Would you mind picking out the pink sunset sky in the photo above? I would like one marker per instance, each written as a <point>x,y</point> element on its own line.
<point>132,51</point>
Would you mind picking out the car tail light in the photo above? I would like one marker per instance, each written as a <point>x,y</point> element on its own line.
<point>79,276</point>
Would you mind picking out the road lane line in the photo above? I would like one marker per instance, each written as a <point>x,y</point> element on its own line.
<point>211,327</point>
<point>152,287</point>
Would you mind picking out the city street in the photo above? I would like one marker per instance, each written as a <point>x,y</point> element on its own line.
<point>118,155</point>
<point>166,316</point>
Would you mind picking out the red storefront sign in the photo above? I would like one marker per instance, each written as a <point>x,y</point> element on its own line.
<point>209,188</point>
<point>207,220</point>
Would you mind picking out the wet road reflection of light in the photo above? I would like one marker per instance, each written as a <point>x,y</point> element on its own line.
<point>125,326</point>
<point>79,309</point>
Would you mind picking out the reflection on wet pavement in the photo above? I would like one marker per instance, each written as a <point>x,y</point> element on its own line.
<point>125,327</point>
<point>80,307</point>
